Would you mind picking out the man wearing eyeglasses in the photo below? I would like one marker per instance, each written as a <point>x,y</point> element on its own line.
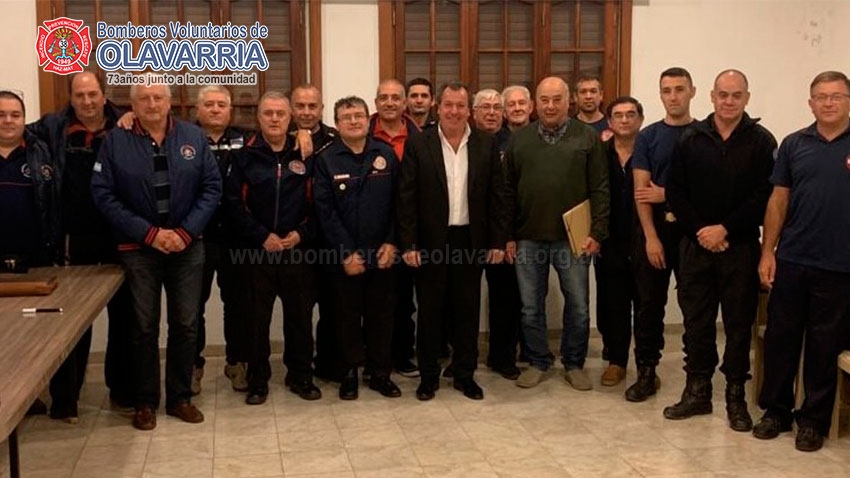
<point>616,294</point>
<point>718,189</point>
<point>391,124</point>
<point>74,136</point>
<point>503,291</point>
<point>354,192</point>
<point>158,185</point>
<point>808,214</point>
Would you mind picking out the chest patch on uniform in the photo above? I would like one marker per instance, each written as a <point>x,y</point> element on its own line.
<point>47,172</point>
<point>25,171</point>
<point>342,186</point>
<point>379,163</point>
<point>298,167</point>
<point>188,152</point>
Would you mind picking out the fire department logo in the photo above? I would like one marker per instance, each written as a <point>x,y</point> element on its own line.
<point>379,163</point>
<point>63,46</point>
<point>188,152</point>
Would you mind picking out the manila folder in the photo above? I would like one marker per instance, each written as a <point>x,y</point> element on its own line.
<point>577,222</point>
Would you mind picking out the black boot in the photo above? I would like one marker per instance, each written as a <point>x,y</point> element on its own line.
<point>696,399</point>
<point>646,385</point>
<point>736,408</point>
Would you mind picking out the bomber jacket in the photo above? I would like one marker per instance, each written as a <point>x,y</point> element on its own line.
<point>122,183</point>
<point>712,181</point>
<point>270,192</point>
<point>355,198</point>
<point>43,174</point>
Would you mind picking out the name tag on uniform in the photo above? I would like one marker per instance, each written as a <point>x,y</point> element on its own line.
<point>338,177</point>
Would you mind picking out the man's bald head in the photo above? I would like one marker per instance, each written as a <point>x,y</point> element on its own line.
<point>731,72</point>
<point>553,101</point>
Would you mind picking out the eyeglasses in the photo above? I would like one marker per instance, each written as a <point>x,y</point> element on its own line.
<point>352,118</point>
<point>629,115</point>
<point>496,107</point>
<point>833,98</point>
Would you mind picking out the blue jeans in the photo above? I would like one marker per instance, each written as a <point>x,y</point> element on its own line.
<point>532,270</point>
<point>147,271</point>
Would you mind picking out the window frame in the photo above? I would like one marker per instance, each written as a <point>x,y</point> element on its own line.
<point>53,88</point>
<point>616,77</point>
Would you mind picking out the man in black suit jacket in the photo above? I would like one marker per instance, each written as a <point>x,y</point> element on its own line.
<point>451,222</point>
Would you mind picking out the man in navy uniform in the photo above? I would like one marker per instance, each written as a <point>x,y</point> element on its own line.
<point>268,199</point>
<point>355,207</point>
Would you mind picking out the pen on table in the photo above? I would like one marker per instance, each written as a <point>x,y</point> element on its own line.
<point>39,310</point>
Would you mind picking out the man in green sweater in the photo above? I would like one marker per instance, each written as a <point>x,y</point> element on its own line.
<point>553,165</point>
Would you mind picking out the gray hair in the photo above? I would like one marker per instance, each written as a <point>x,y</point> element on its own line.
<point>507,91</point>
<point>486,94</point>
<point>214,89</point>
<point>151,79</point>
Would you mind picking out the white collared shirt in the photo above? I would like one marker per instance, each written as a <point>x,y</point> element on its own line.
<point>457,177</point>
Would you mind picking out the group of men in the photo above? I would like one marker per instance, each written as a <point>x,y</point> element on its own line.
<point>356,217</point>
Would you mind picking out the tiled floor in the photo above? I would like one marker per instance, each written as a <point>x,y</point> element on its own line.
<point>548,431</point>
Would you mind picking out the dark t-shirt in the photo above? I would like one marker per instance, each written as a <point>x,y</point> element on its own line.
<point>19,215</point>
<point>600,126</point>
<point>654,149</point>
<point>817,227</point>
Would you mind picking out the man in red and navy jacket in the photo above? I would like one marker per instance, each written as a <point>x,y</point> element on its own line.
<point>268,200</point>
<point>158,185</point>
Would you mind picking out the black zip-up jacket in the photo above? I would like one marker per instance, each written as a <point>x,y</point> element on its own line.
<point>233,139</point>
<point>270,192</point>
<point>712,181</point>
<point>355,198</point>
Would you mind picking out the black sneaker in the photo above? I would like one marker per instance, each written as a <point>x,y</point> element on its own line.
<point>771,425</point>
<point>808,439</point>
<point>407,369</point>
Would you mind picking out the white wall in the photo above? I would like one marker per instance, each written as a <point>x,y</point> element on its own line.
<point>779,44</point>
<point>18,31</point>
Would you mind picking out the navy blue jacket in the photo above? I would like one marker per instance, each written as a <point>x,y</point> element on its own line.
<point>51,129</point>
<point>122,183</point>
<point>43,174</point>
<point>355,198</point>
<point>268,192</point>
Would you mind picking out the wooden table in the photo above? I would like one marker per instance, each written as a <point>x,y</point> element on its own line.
<point>33,346</point>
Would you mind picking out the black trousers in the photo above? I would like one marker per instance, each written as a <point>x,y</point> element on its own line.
<point>616,297</point>
<point>404,327</point>
<point>65,386</point>
<point>652,287</point>
<point>218,264</point>
<point>814,302</point>
<point>505,315</point>
<point>364,312</point>
<point>295,284</point>
<point>726,279</point>
<point>452,287</point>
<point>328,359</point>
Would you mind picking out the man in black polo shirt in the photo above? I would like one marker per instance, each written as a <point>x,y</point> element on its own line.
<point>808,214</point>
<point>74,136</point>
<point>718,189</point>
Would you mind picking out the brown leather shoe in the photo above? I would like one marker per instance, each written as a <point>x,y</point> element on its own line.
<point>185,411</point>
<point>613,375</point>
<point>144,418</point>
